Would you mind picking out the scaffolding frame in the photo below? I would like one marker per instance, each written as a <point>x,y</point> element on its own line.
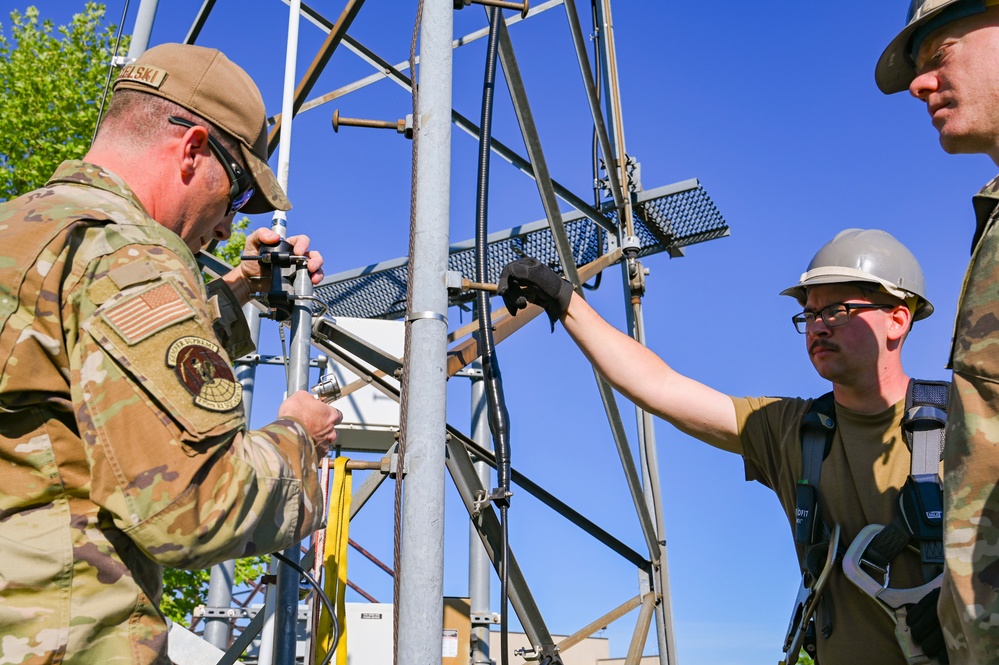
<point>616,219</point>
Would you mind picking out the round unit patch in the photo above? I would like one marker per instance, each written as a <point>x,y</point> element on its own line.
<point>201,370</point>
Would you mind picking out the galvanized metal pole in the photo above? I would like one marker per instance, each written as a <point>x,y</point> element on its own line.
<point>479,566</point>
<point>279,223</point>
<point>421,564</point>
<point>285,630</point>
<point>143,28</point>
<point>219,595</point>
<point>612,95</point>
<point>665,635</point>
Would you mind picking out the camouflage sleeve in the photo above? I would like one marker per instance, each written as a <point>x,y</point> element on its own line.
<point>969,598</point>
<point>161,416</point>
<point>228,320</point>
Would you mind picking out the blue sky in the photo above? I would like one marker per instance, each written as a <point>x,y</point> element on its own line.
<point>773,106</point>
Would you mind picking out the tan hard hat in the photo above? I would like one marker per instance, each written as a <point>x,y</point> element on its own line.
<point>896,69</point>
<point>211,86</point>
<point>866,255</point>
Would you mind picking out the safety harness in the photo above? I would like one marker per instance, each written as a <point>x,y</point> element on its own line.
<point>919,521</point>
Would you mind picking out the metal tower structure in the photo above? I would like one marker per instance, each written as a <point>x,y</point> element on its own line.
<point>623,226</point>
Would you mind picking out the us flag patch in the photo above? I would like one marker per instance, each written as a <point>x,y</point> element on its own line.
<point>148,312</point>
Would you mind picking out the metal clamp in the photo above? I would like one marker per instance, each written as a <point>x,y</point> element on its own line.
<point>416,316</point>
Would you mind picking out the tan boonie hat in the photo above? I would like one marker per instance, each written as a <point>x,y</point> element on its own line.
<point>895,69</point>
<point>211,86</point>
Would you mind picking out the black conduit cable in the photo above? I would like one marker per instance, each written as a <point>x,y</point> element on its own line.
<point>499,418</point>
<point>327,603</point>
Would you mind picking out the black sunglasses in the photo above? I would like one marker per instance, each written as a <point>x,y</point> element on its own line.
<point>240,182</point>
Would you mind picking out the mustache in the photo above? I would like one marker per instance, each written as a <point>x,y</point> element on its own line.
<point>822,344</point>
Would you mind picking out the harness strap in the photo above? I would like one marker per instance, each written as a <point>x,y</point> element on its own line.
<point>920,516</point>
<point>924,422</point>
<point>817,428</point>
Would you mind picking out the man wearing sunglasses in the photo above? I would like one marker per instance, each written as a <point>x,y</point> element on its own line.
<point>860,295</point>
<point>123,440</point>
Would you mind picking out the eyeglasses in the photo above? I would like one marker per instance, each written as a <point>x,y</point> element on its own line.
<point>837,314</point>
<point>240,182</point>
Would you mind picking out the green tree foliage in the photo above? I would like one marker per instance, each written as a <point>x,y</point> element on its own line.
<point>231,249</point>
<point>805,659</point>
<point>183,590</point>
<point>51,83</point>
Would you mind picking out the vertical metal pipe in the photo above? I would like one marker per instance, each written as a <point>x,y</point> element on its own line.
<point>593,98</point>
<point>646,432</point>
<point>608,60</point>
<point>421,566</point>
<point>286,588</point>
<point>219,595</point>
<point>143,28</point>
<point>221,580</point>
<point>280,220</point>
<point>286,611</point>
<point>649,464</point>
<point>479,567</point>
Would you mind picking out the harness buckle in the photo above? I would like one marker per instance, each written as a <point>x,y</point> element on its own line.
<point>892,601</point>
<point>885,572</point>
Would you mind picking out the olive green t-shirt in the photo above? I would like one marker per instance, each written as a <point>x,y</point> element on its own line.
<point>867,465</point>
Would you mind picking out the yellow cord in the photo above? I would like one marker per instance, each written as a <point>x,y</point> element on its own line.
<point>335,562</point>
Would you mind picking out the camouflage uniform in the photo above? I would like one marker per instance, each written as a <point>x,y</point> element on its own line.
<point>123,445</point>
<point>969,604</point>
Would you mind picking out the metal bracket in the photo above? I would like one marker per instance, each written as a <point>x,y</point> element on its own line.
<point>636,273</point>
<point>201,611</point>
<point>483,499</point>
<point>485,619</point>
<point>455,282</point>
<point>393,466</point>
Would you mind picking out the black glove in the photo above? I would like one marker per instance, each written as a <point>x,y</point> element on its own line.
<point>530,281</point>
<point>925,624</point>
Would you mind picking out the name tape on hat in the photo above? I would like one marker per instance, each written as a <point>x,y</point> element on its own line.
<point>144,74</point>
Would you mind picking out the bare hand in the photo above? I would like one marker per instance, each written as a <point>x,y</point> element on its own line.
<point>245,278</point>
<point>318,418</point>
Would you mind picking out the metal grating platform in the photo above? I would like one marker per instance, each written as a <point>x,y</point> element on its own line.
<point>666,220</point>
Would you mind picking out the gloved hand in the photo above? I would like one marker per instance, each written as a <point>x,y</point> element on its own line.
<point>530,281</point>
<point>925,625</point>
